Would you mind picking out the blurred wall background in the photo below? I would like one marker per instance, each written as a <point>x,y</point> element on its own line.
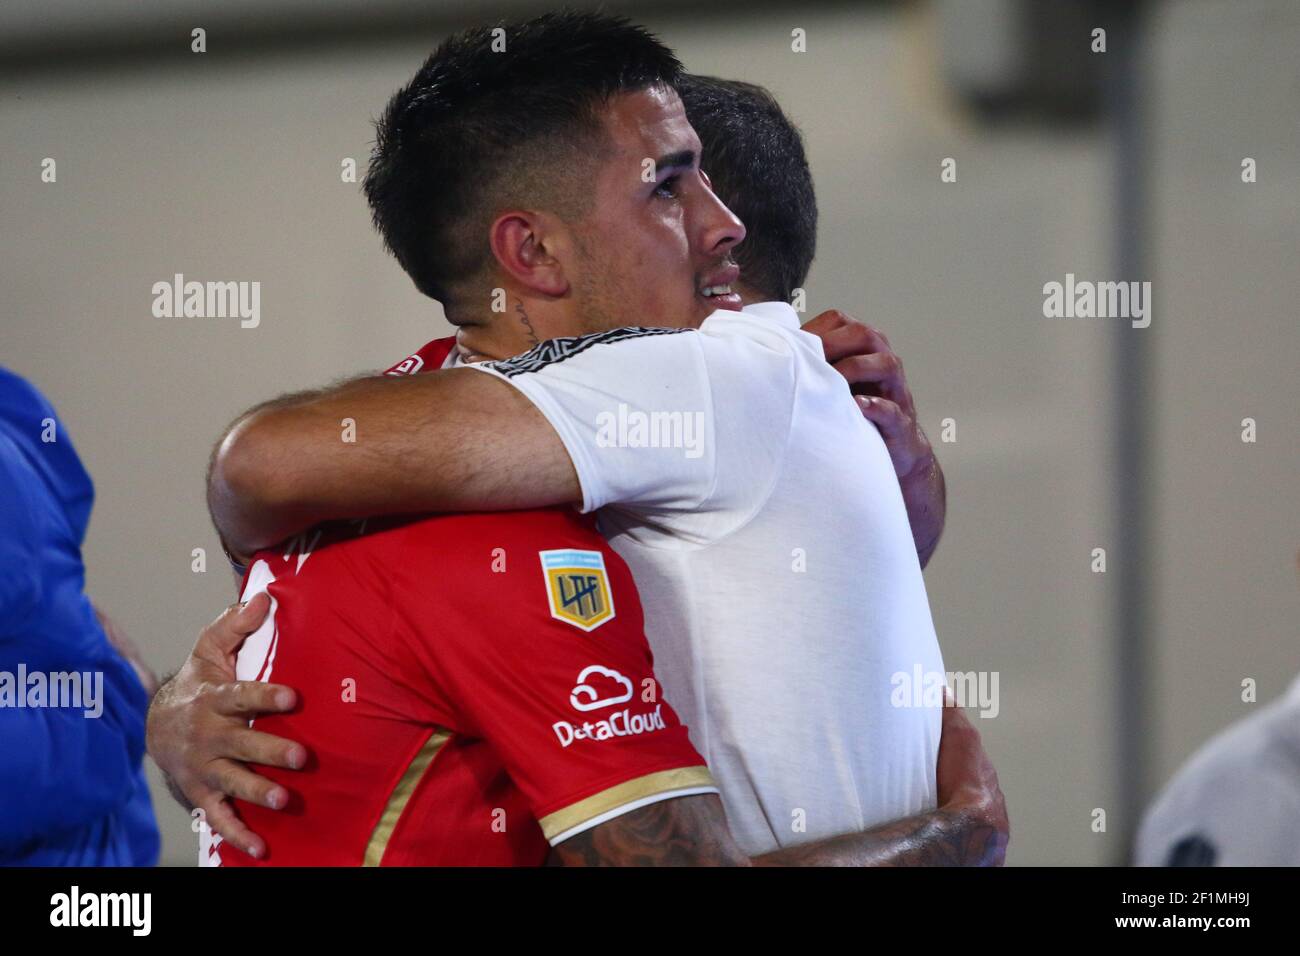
<point>226,166</point>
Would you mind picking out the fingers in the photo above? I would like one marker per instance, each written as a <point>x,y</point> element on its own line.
<point>221,818</point>
<point>825,322</point>
<point>224,635</point>
<point>908,447</point>
<point>863,355</point>
<point>883,370</point>
<point>892,421</point>
<point>842,335</point>
<point>896,425</point>
<point>254,746</point>
<point>249,698</point>
<point>232,779</point>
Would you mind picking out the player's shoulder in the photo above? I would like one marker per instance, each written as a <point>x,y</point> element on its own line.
<point>594,350</point>
<point>1228,798</point>
<point>523,567</point>
<point>20,398</point>
<point>763,330</point>
<point>456,533</point>
<point>645,360</point>
<point>1246,750</point>
<point>444,538</point>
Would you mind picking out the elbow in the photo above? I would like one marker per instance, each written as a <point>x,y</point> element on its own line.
<point>246,484</point>
<point>241,468</point>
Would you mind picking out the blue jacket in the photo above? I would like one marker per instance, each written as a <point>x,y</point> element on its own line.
<point>72,786</point>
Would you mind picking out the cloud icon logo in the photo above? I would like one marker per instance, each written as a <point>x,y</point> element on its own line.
<point>606,690</point>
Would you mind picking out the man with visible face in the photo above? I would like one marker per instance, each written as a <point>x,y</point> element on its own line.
<point>786,680</point>
<point>651,239</point>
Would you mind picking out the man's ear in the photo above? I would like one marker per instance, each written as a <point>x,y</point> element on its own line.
<point>525,245</point>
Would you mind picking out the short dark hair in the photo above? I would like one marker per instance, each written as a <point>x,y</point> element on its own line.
<point>755,158</point>
<point>480,128</point>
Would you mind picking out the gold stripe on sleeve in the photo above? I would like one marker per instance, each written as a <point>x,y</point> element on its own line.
<point>401,795</point>
<point>665,781</point>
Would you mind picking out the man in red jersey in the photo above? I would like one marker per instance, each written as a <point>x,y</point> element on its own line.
<point>461,711</point>
<point>473,687</point>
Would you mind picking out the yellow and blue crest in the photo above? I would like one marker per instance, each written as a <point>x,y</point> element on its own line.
<point>577,587</point>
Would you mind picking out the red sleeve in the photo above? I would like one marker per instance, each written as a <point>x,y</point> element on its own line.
<point>530,630</point>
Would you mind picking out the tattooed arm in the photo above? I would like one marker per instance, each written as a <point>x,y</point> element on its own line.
<point>969,828</point>
<point>692,831</point>
<point>949,836</point>
<point>686,831</point>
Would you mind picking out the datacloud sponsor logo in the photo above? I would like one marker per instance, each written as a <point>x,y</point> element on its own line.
<point>208,300</point>
<point>923,688</point>
<point>597,688</point>
<point>585,696</point>
<point>1084,299</point>
<point>628,428</point>
<point>74,689</point>
<point>133,910</point>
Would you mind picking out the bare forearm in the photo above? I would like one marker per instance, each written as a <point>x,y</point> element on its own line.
<point>926,497</point>
<point>693,832</point>
<point>446,441</point>
<point>943,837</point>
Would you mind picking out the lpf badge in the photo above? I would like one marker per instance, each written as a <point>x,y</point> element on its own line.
<point>578,587</point>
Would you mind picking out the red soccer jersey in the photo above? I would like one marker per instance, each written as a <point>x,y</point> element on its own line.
<point>471,687</point>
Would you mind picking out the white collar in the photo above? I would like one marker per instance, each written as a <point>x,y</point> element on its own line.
<point>780,312</point>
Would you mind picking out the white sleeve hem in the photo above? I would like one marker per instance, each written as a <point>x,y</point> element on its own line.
<point>592,497</point>
<point>628,808</point>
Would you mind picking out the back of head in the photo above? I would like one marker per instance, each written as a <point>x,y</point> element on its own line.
<point>499,116</point>
<point>755,157</point>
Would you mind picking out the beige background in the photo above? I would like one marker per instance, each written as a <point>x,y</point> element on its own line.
<point>227,168</point>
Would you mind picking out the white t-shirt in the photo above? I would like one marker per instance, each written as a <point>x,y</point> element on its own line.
<point>766,530</point>
<point>1236,800</point>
